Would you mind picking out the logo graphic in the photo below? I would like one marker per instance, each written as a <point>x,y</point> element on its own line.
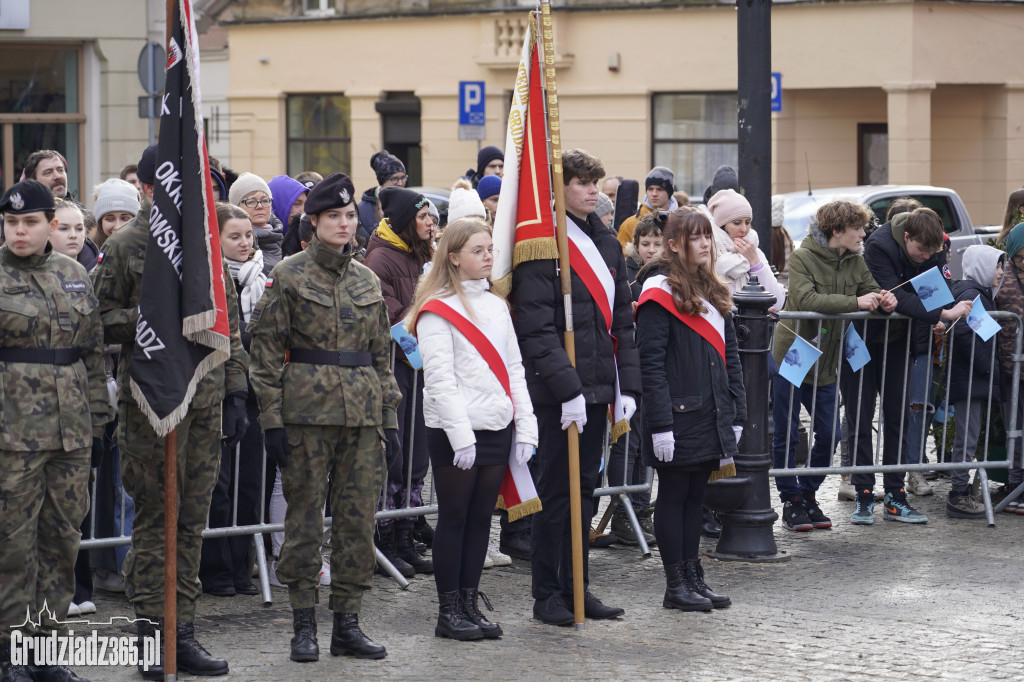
<point>174,54</point>
<point>71,649</point>
<point>345,198</point>
<point>17,202</point>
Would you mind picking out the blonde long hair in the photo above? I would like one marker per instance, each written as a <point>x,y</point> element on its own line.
<point>442,280</point>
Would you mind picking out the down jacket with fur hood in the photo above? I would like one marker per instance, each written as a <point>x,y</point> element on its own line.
<point>460,392</point>
<point>735,268</point>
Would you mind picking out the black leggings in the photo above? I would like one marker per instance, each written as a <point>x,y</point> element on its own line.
<point>677,513</point>
<point>465,500</point>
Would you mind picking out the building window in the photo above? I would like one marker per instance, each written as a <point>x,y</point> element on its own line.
<point>873,153</point>
<point>400,127</point>
<point>318,8</point>
<point>319,134</point>
<point>693,134</point>
<point>41,104</point>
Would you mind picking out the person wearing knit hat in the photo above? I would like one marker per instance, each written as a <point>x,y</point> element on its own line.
<point>253,194</point>
<point>117,202</point>
<point>489,189</point>
<point>291,198</point>
<point>605,209</point>
<point>737,256</point>
<point>660,185</point>
<point>782,243</point>
<point>725,178</point>
<point>464,203</point>
<point>397,253</point>
<point>247,184</point>
<point>490,161</point>
<point>389,169</point>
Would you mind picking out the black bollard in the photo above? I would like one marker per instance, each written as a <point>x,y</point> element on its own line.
<point>747,530</point>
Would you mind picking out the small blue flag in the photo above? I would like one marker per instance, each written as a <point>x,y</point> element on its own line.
<point>799,359</point>
<point>407,342</point>
<point>932,288</point>
<point>980,321</point>
<point>856,351</point>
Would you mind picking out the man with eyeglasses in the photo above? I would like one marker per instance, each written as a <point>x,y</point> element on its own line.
<point>390,172</point>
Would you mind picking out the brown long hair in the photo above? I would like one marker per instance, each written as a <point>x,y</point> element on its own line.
<point>443,280</point>
<point>690,282</point>
<point>422,249</point>
<point>1012,216</point>
<point>780,240</point>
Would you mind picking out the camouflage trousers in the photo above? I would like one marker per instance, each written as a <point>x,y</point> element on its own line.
<point>142,473</point>
<point>353,459</point>
<point>44,496</point>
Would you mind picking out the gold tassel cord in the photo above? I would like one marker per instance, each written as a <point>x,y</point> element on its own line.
<point>728,471</point>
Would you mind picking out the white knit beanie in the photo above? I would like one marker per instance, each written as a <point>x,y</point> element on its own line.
<point>246,184</point>
<point>116,195</point>
<point>778,210</point>
<point>464,203</point>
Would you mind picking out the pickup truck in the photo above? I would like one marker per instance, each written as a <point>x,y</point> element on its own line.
<point>800,206</point>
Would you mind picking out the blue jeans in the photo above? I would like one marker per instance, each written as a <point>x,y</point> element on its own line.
<point>825,428</point>
<point>919,384</point>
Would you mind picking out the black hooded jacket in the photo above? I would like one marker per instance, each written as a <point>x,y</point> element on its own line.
<point>538,314</point>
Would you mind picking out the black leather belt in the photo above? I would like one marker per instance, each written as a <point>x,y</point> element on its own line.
<point>341,358</point>
<point>41,356</point>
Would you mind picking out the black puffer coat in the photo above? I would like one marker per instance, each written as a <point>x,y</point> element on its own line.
<point>539,318</point>
<point>686,387</point>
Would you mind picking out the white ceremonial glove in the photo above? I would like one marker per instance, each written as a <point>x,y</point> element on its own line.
<point>629,406</point>
<point>464,457</point>
<point>524,453</point>
<point>664,446</point>
<point>738,430</point>
<point>574,410</point>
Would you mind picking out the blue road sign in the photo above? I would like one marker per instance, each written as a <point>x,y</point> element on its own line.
<point>471,103</point>
<point>776,91</point>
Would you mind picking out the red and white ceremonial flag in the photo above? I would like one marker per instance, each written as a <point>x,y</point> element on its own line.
<point>183,330</point>
<point>524,222</point>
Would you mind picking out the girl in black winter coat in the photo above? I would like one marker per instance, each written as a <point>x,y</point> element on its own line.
<point>692,392</point>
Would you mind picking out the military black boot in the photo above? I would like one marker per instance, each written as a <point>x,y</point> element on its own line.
<point>347,639</point>
<point>422,532</point>
<point>152,628</point>
<point>193,658</point>
<point>386,545</point>
<point>452,621</point>
<point>696,572</point>
<point>304,646</point>
<point>405,549</point>
<point>472,610</point>
<point>52,673</point>
<point>11,672</point>
<point>680,593</point>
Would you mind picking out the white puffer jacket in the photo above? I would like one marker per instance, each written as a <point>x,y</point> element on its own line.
<point>735,268</point>
<point>460,392</point>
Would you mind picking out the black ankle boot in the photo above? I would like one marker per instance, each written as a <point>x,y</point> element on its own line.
<point>193,658</point>
<point>422,532</point>
<point>51,673</point>
<point>406,550</point>
<point>348,640</point>
<point>304,646</point>
<point>471,609</point>
<point>10,671</point>
<point>696,572</point>
<point>452,621</point>
<point>680,593</point>
<point>386,544</point>
<point>152,628</point>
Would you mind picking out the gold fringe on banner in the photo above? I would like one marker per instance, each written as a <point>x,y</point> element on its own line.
<point>728,471</point>
<point>543,248</point>
<point>531,506</point>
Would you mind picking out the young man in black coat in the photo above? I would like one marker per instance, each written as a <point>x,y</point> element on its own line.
<point>563,394</point>
<point>906,246</point>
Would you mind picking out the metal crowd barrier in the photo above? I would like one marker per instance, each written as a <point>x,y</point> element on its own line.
<point>983,462</point>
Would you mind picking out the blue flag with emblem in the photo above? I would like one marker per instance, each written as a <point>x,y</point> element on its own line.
<point>931,286</point>
<point>798,360</point>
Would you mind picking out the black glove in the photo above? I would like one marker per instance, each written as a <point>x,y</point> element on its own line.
<point>393,444</point>
<point>235,419</point>
<point>276,441</point>
<point>97,452</point>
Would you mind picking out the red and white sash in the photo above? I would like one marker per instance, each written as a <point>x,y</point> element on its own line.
<point>517,494</point>
<point>588,264</point>
<point>710,324</point>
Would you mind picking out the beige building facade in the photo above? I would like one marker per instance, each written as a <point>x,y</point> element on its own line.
<point>872,92</point>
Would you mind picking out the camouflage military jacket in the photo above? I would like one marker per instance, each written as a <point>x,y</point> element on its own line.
<point>118,281</point>
<point>321,300</point>
<point>48,302</point>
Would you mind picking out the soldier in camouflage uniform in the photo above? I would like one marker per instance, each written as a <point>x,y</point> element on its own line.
<point>118,280</point>
<point>54,407</point>
<point>320,369</point>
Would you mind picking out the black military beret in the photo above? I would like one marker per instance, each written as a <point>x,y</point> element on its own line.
<point>27,196</point>
<point>147,166</point>
<point>335,191</point>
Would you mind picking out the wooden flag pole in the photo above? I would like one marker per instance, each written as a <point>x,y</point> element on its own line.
<point>170,505</point>
<point>562,238</point>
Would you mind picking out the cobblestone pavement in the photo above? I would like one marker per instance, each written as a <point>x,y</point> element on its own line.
<point>889,601</point>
